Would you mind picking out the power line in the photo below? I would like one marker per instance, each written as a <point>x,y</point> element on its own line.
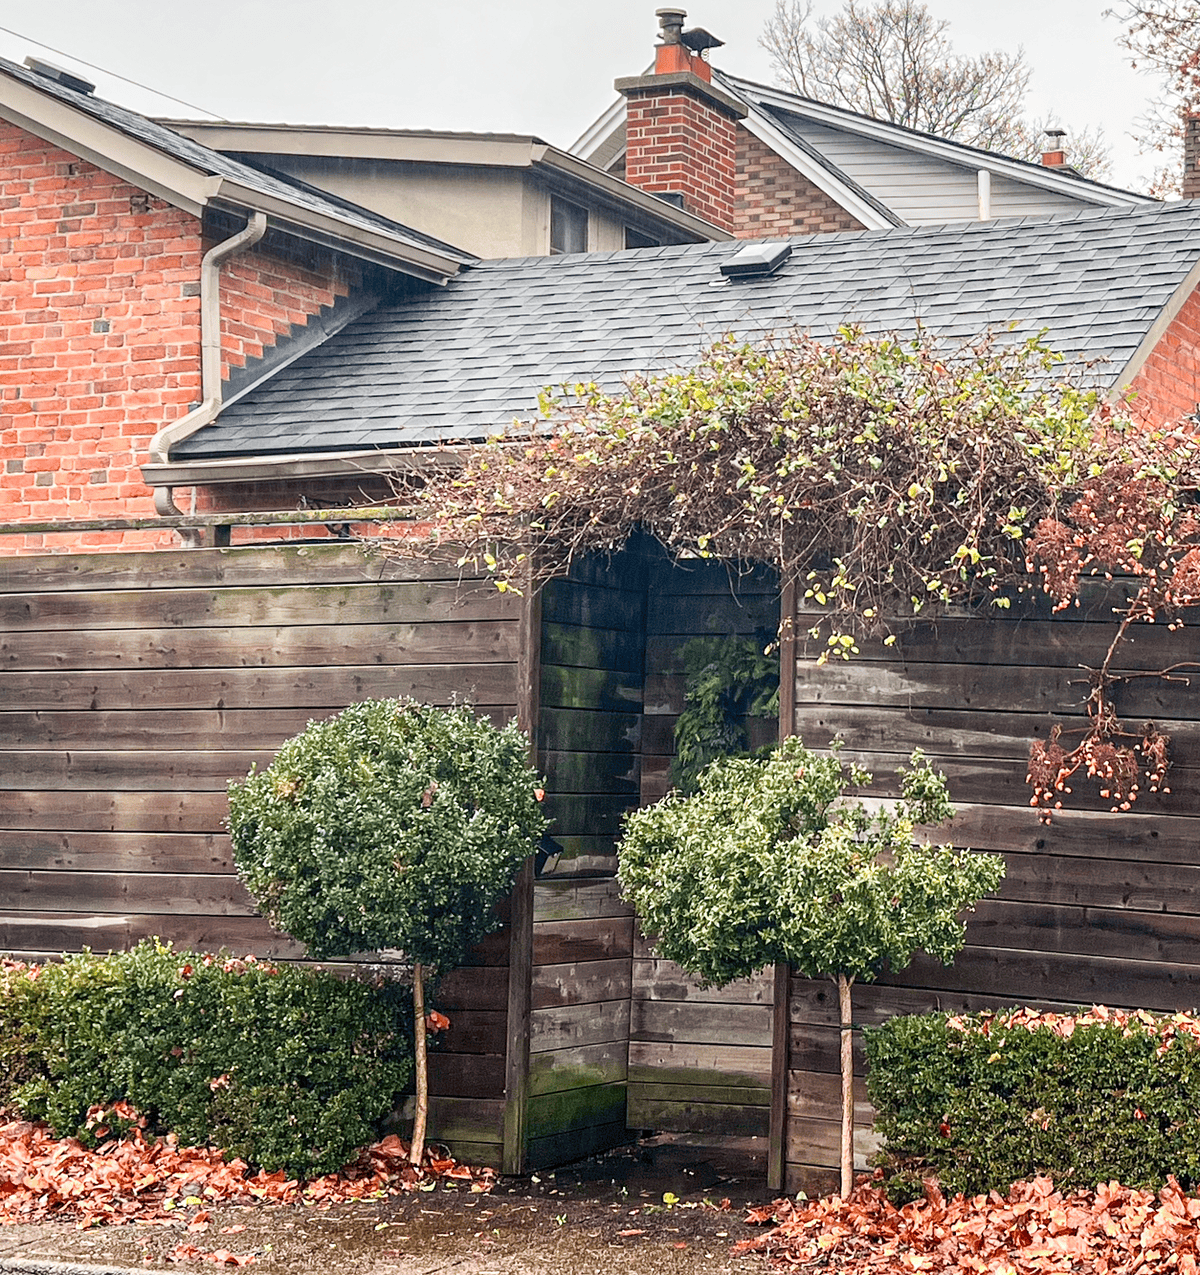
<point>105,71</point>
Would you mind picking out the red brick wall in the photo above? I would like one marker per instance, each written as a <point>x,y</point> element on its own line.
<point>99,332</point>
<point>676,142</point>
<point>263,298</point>
<point>100,335</point>
<point>772,200</point>
<point>1168,385</point>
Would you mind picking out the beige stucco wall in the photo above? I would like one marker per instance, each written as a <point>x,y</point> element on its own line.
<point>492,212</point>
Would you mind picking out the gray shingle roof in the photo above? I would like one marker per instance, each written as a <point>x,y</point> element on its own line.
<point>215,164</point>
<point>459,362</point>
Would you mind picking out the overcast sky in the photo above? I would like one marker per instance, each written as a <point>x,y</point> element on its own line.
<point>526,66</point>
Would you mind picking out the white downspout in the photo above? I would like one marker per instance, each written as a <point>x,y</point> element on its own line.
<point>210,353</point>
<point>985,195</point>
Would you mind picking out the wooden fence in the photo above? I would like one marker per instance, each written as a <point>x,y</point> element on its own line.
<point>133,686</point>
<point>1095,907</point>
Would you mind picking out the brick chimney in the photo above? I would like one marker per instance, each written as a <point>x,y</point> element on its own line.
<point>1191,155</point>
<point>1055,155</point>
<point>681,129</point>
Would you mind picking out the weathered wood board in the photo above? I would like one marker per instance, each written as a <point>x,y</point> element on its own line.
<point>699,1060</point>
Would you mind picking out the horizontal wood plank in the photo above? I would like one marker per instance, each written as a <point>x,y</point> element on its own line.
<point>239,566</point>
<point>401,603</point>
<point>176,770</point>
<point>274,646</point>
<point>124,892</point>
<point>567,900</point>
<point>116,851</point>
<point>572,1026</point>
<point>598,939</point>
<point>694,1116</point>
<point>263,729</point>
<point>45,931</point>
<point>580,983</point>
<point>662,1062</point>
<point>81,811</point>
<point>700,1022</point>
<point>255,688</point>
<point>576,1067</point>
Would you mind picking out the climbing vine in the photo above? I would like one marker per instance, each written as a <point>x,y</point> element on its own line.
<point>879,476</point>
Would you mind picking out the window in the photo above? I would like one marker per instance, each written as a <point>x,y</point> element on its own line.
<point>636,239</point>
<point>568,227</point>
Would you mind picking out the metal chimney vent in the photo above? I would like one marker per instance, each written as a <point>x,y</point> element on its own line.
<point>756,260</point>
<point>60,75</point>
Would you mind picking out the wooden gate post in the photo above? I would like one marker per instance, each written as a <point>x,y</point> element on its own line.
<point>781,1009</point>
<point>520,943</point>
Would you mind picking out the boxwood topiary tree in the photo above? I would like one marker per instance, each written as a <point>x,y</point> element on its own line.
<point>770,862</point>
<point>391,825</point>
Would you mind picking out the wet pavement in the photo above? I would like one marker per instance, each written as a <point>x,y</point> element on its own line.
<point>658,1208</point>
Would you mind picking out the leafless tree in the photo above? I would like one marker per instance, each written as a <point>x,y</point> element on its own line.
<point>1164,38</point>
<point>894,61</point>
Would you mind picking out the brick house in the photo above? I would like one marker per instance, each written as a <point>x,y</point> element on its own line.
<point>761,162</point>
<point>145,278</point>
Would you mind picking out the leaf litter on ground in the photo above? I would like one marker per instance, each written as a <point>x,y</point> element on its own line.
<point>154,1181</point>
<point>1034,1230</point>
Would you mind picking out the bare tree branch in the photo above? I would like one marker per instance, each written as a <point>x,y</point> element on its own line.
<point>1164,39</point>
<point>893,60</point>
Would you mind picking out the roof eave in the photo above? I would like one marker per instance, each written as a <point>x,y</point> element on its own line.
<point>622,192</point>
<point>820,176</point>
<point>134,161</point>
<point>601,131</point>
<point>190,189</point>
<point>331,232</point>
<point>489,150</point>
<point>442,148</point>
<point>301,465</point>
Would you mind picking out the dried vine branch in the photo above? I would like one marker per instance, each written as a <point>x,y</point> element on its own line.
<point>880,475</point>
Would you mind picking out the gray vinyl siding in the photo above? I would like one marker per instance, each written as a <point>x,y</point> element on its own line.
<point>922,189</point>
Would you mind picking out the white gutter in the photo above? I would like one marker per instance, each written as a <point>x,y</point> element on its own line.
<point>210,354</point>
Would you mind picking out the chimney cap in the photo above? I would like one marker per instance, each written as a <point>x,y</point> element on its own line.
<point>60,75</point>
<point>671,22</point>
<point>697,39</point>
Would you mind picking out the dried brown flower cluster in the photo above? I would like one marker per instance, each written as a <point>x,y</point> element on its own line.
<point>1134,517</point>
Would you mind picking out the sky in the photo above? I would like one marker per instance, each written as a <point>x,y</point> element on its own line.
<point>544,67</point>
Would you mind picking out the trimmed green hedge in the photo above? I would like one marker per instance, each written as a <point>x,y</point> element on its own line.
<point>287,1068</point>
<point>983,1101</point>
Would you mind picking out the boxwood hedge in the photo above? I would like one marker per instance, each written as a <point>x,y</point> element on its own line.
<point>982,1101</point>
<point>286,1067</point>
